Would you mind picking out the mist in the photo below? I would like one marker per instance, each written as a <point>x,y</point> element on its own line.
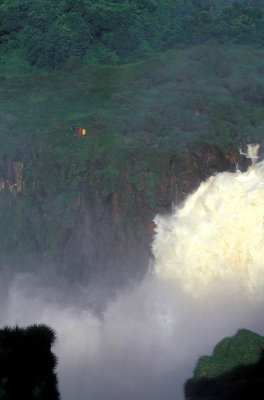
<point>204,284</point>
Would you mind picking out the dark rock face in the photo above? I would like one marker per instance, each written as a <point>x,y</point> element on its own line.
<point>112,236</point>
<point>201,163</point>
<point>11,176</point>
<point>112,229</point>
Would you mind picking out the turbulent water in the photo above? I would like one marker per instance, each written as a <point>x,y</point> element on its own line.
<point>216,239</point>
<point>206,282</point>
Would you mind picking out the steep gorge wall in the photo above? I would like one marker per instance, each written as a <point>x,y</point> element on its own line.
<point>115,235</point>
<point>11,177</point>
<point>112,230</point>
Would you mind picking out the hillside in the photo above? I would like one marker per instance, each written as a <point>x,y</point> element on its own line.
<point>174,118</point>
<point>47,33</point>
<point>164,106</point>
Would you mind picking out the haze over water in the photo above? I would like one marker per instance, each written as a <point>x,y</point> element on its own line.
<point>206,283</point>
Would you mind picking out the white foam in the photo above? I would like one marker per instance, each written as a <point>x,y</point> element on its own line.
<point>206,284</point>
<point>215,240</point>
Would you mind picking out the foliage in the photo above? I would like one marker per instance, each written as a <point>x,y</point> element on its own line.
<point>234,371</point>
<point>27,363</point>
<point>242,349</point>
<point>136,116</point>
<point>48,33</point>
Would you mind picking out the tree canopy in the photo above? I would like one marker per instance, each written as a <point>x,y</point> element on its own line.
<point>49,33</point>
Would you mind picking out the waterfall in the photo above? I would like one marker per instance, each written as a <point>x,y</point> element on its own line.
<point>215,239</point>
<point>206,282</point>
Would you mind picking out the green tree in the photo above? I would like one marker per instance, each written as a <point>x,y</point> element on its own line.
<point>69,36</point>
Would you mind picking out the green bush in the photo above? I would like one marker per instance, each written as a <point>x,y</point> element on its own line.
<point>233,372</point>
<point>27,365</point>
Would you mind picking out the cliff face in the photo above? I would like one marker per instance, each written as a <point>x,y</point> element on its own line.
<point>112,228</point>
<point>115,235</point>
<point>11,176</point>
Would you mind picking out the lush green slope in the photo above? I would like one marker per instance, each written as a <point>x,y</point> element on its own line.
<point>136,114</point>
<point>208,93</point>
<point>143,111</point>
<point>204,94</point>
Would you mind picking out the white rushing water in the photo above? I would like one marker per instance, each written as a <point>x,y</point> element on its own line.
<point>206,283</point>
<point>215,240</point>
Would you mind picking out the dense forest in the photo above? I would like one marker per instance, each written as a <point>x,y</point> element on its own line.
<point>146,79</point>
<point>48,33</point>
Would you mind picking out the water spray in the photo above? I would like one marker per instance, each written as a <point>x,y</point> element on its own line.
<point>252,153</point>
<point>207,282</point>
<point>215,240</point>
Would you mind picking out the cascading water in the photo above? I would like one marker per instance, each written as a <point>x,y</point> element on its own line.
<point>252,152</point>
<point>215,240</point>
<point>206,283</point>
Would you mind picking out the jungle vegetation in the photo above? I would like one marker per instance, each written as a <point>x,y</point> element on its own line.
<point>48,33</point>
<point>145,78</point>
<point>234,371</point>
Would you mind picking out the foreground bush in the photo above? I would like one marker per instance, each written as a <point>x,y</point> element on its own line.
<point>27,364</point>
<point>235,371</point>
